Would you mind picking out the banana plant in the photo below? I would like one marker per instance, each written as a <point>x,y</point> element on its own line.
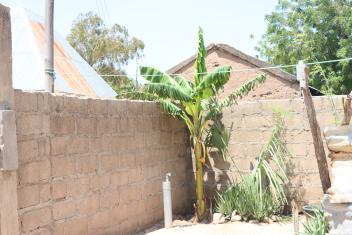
<point>195,103</point>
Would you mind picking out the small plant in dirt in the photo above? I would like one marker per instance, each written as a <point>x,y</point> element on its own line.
<point>260,195</point>
<point>195,103</point>
<point>317,224</point>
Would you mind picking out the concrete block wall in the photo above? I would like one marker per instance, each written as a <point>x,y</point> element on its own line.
<point>95,166</point>
<point>252,125</point>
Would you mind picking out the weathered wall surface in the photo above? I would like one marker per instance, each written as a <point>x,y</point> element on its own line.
<point>89,166</point>
<point>252,125</point>
<point>273,88</point>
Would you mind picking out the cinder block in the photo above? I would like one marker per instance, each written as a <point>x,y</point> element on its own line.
<point>75,105</point>
<point>135,175</point>
<point>43,101</point>
<point>98,182</point>
<point>106,126</point>
<point>76,226</point>
<point>28,123</point>
<point>99,221</point>
<point>151,171</point>
<point>78,187</point>
<point>97,106</point>
<point>144,124</point>
<point>62,125</point>
<point>63,166</point>
<point>100,145</point>
<point>117,107</point>
<point>127,124</point>
<point>78,144</point>
<point>44,169</point>
<point>56,103</point>
<point>27,150</point>
<point>28,196</point>
<point>151,108</point>
<point>26,101</point>
<point>89,205</point>
<point>64,209</point>
<point>134,108</point>
<point>109,199</point>
<point>44,193</point>
<point>59,189</point>
<point>86,126</point>
<point>127,159</point>
<point>109,162</point>
<point>59,145</point>
<point>36,218</point>
<point>87,164</point>
<point>28,173</point>
<point>43,147</point>
<point>119,178</point>
<point>129,193</point>
<point>297,149</point>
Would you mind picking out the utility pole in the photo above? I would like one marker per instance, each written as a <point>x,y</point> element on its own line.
<point>49,40</point>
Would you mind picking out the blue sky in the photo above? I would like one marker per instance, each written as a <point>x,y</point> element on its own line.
<point>169,27</point>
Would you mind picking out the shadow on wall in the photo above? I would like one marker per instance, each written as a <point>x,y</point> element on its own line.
<point>216,177</point>
<point>294,188</point>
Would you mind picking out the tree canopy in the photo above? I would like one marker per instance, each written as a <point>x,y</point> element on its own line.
<point>312,30</point>
<point>107,49</point>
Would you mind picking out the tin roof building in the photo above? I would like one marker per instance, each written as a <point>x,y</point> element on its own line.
<point>73,74</point>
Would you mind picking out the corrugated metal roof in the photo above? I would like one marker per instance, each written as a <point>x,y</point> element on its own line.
<point>73,73</point>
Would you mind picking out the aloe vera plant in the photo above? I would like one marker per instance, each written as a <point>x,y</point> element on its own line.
<point>195,104</point>
<point>260,194</point>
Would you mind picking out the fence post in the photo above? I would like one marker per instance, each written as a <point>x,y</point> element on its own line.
<point>302,71</point>
<point>8,140</point>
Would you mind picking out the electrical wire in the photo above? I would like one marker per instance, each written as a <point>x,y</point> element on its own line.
<point>204,73</point>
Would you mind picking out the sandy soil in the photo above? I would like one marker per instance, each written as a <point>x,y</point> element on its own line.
<point>228,229</point>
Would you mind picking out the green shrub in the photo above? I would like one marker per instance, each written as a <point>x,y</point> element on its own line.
<point>317,224</point>
<point>246,199</point>
<point>260,194</point>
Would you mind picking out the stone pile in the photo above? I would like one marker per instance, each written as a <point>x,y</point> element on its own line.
<point>338,202</point>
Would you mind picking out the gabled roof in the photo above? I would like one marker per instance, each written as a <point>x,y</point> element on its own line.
<point>73,74</point>
<point>236,53</point>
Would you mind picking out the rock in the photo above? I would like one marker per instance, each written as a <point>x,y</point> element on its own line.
<point>276,218</point>
<point>268,220</point>
<point>180,223</point>
<point>235,217</point>
<point>254,222</point>
<point>218,218</point>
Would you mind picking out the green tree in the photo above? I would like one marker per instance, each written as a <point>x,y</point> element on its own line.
<point>195,103</point>
<point>107,49</point>
<point>312,30</point>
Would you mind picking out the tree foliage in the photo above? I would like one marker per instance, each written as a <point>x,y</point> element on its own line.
<point>107,49</point>
<point>312,30</point>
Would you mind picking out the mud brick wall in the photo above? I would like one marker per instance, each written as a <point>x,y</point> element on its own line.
<point>252,125</point>
<point>95,166</point>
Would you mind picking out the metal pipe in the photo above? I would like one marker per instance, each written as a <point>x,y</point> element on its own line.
<point>49,40</point>
<point>167,201</point>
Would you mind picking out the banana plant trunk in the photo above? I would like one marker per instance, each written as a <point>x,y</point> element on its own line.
<point>199,153</point>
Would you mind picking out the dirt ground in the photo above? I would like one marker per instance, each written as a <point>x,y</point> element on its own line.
<point>230,228</point>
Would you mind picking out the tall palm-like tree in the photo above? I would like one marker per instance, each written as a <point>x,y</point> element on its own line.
<point>195,103</point>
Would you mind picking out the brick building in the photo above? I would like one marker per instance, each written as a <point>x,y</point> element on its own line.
<point>279,84</point>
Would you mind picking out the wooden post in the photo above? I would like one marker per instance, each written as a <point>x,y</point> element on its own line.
<point>49,39</point>
<point>295,217</point>
<point>347,110</point>
<point>302,77</point>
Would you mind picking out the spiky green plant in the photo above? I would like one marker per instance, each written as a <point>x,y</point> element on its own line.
<point>317,224</point>
<point>194,103</point>
<point>260,194</point>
